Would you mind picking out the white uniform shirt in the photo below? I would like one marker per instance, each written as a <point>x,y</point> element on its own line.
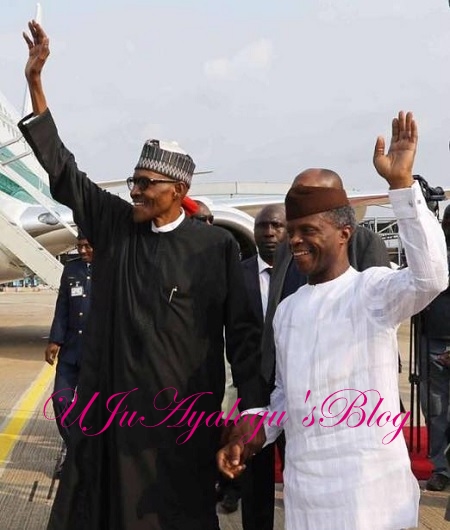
<point>264,283</point>
<point>341,335</point>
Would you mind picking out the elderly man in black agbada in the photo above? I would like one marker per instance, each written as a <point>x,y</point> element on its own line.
<point>165,288</point>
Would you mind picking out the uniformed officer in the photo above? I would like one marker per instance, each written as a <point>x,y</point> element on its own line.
<point>65,340</point>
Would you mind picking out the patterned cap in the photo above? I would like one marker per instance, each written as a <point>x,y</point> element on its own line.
<point>167,158</point>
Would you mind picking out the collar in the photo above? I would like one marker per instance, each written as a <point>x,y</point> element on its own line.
<point>262,265</point>
<point>170,226</point>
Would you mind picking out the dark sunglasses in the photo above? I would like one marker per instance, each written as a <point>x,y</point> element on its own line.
<point>204,218</point>
<point>144,182</point>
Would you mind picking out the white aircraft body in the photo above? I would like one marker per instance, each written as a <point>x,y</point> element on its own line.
<point>34,228</point>
<point>26,203</point>
<point>25,199</point>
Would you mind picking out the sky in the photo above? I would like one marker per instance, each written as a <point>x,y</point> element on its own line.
<point>253,89</point>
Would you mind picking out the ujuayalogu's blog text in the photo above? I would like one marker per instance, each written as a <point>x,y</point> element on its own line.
<point>346,407</point>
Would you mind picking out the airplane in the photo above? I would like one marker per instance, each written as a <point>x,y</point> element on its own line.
<point>26,202</point>
<point>33,226</point>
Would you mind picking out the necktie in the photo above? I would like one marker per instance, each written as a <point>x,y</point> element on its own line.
<point>269,271</point>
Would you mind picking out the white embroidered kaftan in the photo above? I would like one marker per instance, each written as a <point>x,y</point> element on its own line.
<point>339,338</point>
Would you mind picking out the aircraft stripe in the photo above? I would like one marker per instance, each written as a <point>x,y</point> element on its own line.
<point>9,187</point>
<point>20,415</point>
<point>24,171</point>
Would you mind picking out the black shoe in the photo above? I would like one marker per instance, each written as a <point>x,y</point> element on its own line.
<point>219,493</point>
<point>447,454</point>
<point>60,463</point>
<point>58,469</point>
<point>437,482</point>
<point>230,502</point>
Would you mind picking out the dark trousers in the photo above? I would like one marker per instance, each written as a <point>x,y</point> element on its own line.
<point>66,380</point>
<point>437,410</point>
<point>258,488</point>
<point>229,487</point>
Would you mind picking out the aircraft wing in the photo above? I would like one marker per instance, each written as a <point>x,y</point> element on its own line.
<point>250,197</point>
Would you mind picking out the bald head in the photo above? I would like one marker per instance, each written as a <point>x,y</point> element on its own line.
<point>202,208</point>
<point>446,225</point>
<point>271,210</point>
<point>203,213</point>
<point>325,178</point>
<point>270,230</point>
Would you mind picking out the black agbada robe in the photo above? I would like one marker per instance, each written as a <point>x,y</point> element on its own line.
<point>160,302</point>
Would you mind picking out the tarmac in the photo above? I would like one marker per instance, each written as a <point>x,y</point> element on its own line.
<point>30,445</point>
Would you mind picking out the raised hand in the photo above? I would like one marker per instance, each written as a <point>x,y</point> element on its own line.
<point>396,166</point>
<point>38,50</point>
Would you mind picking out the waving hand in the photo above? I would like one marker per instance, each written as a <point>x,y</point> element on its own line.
<point>38,51</point>
<point>396,166</point>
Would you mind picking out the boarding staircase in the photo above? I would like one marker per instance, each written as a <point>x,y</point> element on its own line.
<point>30,252</point>
<point>12,236</point>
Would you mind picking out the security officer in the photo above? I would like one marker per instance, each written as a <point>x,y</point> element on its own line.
<point>65,340</point>
<point>435,378</point>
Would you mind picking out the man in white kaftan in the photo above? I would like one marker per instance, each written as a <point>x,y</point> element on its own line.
<point>347,465</point>
<point>340,335</point>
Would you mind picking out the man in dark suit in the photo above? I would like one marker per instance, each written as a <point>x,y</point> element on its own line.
<point>257,486</point>
<point>434,359</point>
<point>66,334</point>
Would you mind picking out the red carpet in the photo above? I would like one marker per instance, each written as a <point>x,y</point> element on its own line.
<point>278,472</point>
<point>420,464</point>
